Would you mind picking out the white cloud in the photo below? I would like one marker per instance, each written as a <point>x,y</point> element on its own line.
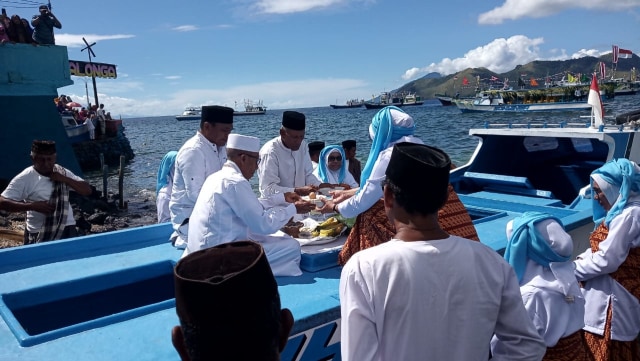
<point>183,28</point>
<point>293,6</point>
<point>173,77</point>
<point>516,9</point>
<point>75,41</point>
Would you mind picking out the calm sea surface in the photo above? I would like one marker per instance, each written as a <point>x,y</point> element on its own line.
<point>443,127</point>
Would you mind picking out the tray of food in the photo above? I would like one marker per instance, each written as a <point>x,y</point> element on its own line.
<point>310,231</point>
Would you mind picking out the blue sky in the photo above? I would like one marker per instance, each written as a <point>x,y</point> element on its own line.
<point>305,53</point>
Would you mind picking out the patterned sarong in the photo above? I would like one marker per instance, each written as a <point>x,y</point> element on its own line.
<point>372,227</point>
<point>55,222</point>
<point>570,348</point>
<point>603,348</point>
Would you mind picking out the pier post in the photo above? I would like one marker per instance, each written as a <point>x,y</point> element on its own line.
<point>121,183</point>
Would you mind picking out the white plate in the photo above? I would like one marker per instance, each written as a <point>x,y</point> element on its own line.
<point>312,223</point>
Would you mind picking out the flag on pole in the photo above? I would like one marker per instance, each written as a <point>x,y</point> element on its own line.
<point>597,110</point>
<point>533,82</point>
<point>615,54</point>
<point>603,70</point>
<point>624,54</point>
<point>494,78</point>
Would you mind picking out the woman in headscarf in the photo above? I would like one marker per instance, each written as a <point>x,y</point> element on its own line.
<point>389,126</point>
<point>609,270</point>
<point>164,185</point>
<point>539,250</point>
<point>332,168</point>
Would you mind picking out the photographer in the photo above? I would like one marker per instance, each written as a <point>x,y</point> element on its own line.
<point>43,26</point>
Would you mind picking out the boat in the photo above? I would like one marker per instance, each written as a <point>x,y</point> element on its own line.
<point>544,100</point>
<point>444,99</point>
<point>99,297</point>
<point>383,100</point>
<point>190,113</point>
<point>410,99</point>
<point>251,108</point>
<point>352,103</point>
<point>75,132</point>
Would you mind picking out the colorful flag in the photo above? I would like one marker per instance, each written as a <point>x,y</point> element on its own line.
<point>614,54</point>
<point>597,110</point>
<point>533,82</point>
<point>603,70</point>
<point>455,77</point>
<point>494,78</point>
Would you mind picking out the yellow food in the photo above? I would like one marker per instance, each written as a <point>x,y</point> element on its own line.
<point>312,195</point>
<point>329,228</point>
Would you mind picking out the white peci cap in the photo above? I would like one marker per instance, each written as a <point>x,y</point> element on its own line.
<point>243,142</point>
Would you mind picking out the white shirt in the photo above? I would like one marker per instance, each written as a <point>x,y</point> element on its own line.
<point>31,186</point>
<point>197,159</point>
<point>227,209</point>
<point>437,300</point>
<point>333,177</point>
<point>281,169</point>
<point>600,289</point>
<point>371,191</point>
<point>163,198</point>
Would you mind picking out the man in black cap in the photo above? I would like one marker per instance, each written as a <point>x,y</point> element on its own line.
<point>461,290</point>
<point>228,304</point>
<point>353,164</point>
<point>42,190</point>
<point>315,148</point>
<point>285,165</point>
<point>43,25</point>
<point>199,157</point>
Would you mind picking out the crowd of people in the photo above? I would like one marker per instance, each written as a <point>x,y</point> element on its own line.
<point>15,29</point>
<point>414,277</point>
<point>95,118</point>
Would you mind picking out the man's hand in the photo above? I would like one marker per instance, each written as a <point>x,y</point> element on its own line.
<point>291,197</point>
<point>341,196</point>
<point>327,207</point>
<point>303,206</point>
<point>57,177</point>
<point>42,207</point>
<point>304,191</point>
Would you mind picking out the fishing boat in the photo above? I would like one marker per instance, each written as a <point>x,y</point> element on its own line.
<point>410,99</point>
<point>352,103</point>
<point>544,100</point>
<point>76,132</point>
<point>190,113</point>
<point>444,99</point>
<point>251,108</point>
<point>383,100</point>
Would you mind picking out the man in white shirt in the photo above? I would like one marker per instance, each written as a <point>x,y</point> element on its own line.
<point>199,157</point>
<point>315,148</point>
<point>285,165</point>
<point>425,293</point>
<point>227,210</point>
<point>102,120</point>
<point>42,190</point>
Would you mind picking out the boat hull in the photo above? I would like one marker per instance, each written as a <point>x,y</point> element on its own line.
<point>259,112</point>
<point>344,106</point>
<point>381,105</point>
<point>445,100</point>
<point>188,117</point>
<point>468,106</point>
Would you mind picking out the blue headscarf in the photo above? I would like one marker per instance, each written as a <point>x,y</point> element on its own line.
<point>323,171</point>
<point>385,132</point>
<point>622,174</point>
<point>165,168</point>
<point>527,243</point>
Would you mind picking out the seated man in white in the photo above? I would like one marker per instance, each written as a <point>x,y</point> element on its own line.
<point>228,210</point>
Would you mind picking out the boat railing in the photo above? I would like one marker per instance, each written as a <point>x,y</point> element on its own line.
<point>541,125</point>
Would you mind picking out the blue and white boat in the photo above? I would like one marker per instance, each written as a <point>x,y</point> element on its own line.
<point>190,113</point>
<point>515,102</point>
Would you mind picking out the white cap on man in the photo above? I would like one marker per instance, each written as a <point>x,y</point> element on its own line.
<point>243,142</point>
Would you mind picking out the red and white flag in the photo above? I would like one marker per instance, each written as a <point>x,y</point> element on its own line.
<point>494,78</point>
<point>624,54</point>
<point>603,70</point>
<point>597,109</point>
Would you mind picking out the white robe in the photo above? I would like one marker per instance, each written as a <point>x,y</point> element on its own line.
<point>228,210</point>
<point>436,300</point>
<point>196,160</point>
<point>600,289</point>
<point>371,192</point>
<point>281,169</point>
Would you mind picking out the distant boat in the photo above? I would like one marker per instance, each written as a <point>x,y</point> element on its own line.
<point>251,109</point>
<point>411,99</point>
<point>444,99</point>
<point>353,103</point>
<point>384,99</point>
<point>508,101</point>
<point>190,113</point>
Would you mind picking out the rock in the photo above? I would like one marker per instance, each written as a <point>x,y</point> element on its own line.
<point>98,218</point>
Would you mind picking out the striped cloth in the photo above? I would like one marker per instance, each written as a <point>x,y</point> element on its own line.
<point>55,222</point>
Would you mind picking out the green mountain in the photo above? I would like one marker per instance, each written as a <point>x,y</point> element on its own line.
<point>540,70</point>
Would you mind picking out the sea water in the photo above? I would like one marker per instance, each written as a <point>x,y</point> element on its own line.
<point>443,127</point>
